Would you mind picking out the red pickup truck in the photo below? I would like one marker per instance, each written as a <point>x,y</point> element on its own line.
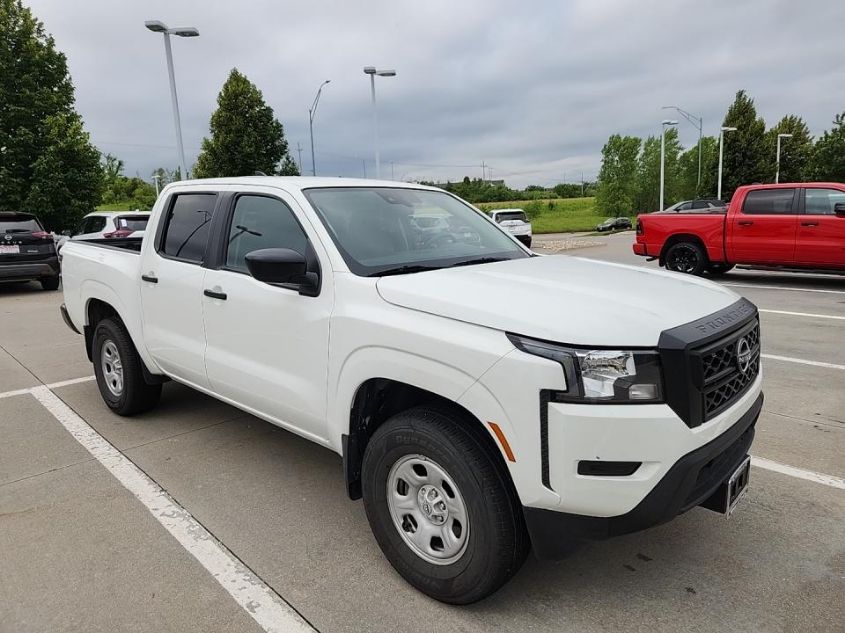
<point>795,226</point>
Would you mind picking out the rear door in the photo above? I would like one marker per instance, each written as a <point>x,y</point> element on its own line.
<point>763,230</point>
<point>172,277</point>
<point>821,233</point>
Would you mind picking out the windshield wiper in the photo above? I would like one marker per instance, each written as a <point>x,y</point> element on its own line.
<point>480,260</point>
<point>403,270</point>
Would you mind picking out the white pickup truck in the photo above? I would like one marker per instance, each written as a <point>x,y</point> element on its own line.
<point>485,400</point>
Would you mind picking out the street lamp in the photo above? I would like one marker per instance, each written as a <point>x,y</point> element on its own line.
<point>182,31</point>
<point>695,120</point>
<point>722,131</point>
<point>777,169</point>
<point>666,123</point>
<point>372,72</point>
<point>312,112</point>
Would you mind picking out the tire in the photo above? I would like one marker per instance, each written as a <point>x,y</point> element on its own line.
<point>50,283</point>
<point>484,541</point>
<point>717,270</point>
<point>686,257</point>
<point>117,368</point>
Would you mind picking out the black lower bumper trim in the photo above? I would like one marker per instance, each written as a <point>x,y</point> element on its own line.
<point>688,483</point>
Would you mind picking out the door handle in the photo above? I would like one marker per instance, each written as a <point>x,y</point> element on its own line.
<point>214,295</point>
<point>745,222</point>
<point>809,224</point>
<point>149,279</point>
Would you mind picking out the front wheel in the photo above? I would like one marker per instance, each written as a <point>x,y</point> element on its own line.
<point>686,257</point>
<point>441,505</point>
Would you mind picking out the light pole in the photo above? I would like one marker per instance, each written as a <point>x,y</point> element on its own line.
<point>312,112</point>
<point>372,72</point>
<point>699,122</point>
<point>777,169</point>
<point>182,31</point>
<point>722,131</point>
<point>666,123</point>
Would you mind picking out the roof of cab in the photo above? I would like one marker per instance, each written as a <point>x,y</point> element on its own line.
<point>299,183</point>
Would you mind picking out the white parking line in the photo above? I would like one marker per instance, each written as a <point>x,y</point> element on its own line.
<point>800,473</point>
<point>52,385</point>
<point>804,314</point>
<point>801,361</point>
<point>759,287</point>
<point>264,605</point>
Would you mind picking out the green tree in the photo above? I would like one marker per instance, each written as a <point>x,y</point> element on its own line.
<point>245,136</point>
<point>795,152</point>
<point>828,159</point>
<point>289,167</point>
<point>38,126</point>
<point>745,156</point>
<point>617,181</point>
<point>66,177</point>
<point>688,170</point>
<point>648,173</point>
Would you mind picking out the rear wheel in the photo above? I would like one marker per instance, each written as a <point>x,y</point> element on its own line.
<point>50,283</point>
<point>117,368</point>
<point>686,257</point>
<point>441,505</point>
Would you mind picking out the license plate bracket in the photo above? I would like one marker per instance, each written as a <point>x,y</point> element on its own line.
<point>726,497</point>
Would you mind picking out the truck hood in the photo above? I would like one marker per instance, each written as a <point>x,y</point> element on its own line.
<point>560,298</point>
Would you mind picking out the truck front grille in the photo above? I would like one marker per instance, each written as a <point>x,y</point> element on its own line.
<point>728,368</point>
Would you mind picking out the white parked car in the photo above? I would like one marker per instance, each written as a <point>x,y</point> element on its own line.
<point>515,222</point>
<point>485,400</point>
<point>109,225</point>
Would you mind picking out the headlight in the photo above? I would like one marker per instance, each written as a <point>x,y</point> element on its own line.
<point>601,375</point>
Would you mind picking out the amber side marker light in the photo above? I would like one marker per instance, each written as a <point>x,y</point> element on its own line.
<point>503,441</point>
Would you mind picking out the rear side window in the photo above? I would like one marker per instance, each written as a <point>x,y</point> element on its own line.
<point>94,224</point>
<point>822,201</point>
<point>261,222</point>
<point>187,227</point>
<point>768,202</point>
<point>135,223</point>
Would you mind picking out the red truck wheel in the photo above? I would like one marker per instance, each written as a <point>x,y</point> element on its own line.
<point>686,257</point>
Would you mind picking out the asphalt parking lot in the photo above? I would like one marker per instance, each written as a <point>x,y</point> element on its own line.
<point>81,551</point>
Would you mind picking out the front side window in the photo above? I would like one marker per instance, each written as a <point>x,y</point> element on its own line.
<point>768,202</point>
<point>261,222</point>
<point>822,201</point>
<point>384,230</point>
<point>187,227</point>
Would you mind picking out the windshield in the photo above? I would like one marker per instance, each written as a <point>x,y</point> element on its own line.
<point>19,224</point>
<point>136,223</point>
<point>510,215</point>
<point>388,231</point>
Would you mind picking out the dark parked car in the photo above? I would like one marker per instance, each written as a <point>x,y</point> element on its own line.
<point>705,205</point>
<point>614,224</point>
<point>27,251</point>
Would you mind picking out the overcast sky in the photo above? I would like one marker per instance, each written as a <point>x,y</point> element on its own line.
<point>533,89</point>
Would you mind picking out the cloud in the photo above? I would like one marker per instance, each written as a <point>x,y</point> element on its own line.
<point>532,89</point>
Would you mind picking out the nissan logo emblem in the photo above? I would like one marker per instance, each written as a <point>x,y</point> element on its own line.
<point>743,355</point>
<point>8,237</point>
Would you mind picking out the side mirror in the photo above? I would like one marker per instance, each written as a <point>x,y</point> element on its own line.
<point>839,209</point>
<point>276,265</point>
<point>283,266</point>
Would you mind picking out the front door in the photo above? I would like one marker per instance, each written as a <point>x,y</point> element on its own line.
<point>763,230</point>
<point>821,233</point>
<point>171,281</point>
<point>267,345</point>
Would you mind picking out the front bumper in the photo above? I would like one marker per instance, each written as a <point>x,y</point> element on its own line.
<point>688,483</point>
<point>26,271</point>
